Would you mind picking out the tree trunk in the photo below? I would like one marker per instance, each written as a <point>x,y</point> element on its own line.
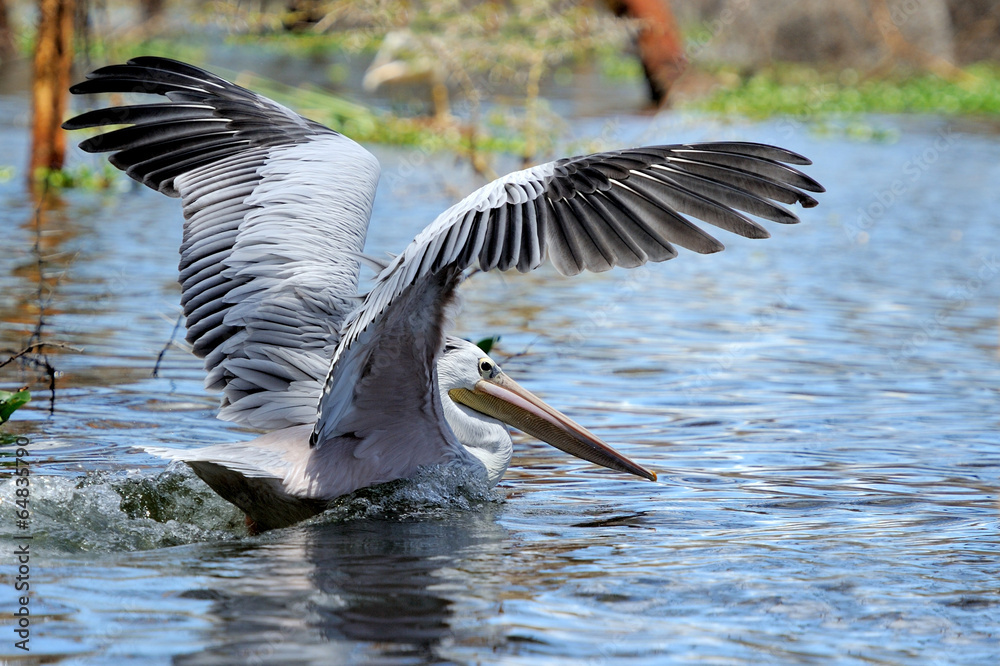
<point>659,40</point>
<point>6,33</point>
<point>152,10</point>
<point>50,87</point>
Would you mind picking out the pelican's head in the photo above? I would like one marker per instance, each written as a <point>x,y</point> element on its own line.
<point>479,398</point>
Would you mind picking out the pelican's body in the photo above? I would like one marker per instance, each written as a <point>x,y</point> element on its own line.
<point>278,478</point>
<point>357,391</point>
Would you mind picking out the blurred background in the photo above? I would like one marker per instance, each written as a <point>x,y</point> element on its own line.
<point>822,407</point>
<point>484,77</point>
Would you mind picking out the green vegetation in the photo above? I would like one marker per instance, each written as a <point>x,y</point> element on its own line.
<point>487,51</point>
<point>107,51</point>
<point>618,65</point>
<point>81,176</point>
<point>496,55</point>
<point>795,90</point>
<point>11,402</point>
<point>487,344</point>
<point>498,40</point>
<point>368,125</point>
<point>308,44</point>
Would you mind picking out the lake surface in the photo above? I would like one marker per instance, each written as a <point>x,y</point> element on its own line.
<point>822,409</point>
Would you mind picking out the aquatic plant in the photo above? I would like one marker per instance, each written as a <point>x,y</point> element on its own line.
<point>796,90</point>
<point>11,401</point>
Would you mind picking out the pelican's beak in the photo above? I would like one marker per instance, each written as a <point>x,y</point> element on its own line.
<point>504,399</point>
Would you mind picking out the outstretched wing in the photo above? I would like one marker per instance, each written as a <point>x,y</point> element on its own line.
<point>594,212</point>
<point>276,210</point>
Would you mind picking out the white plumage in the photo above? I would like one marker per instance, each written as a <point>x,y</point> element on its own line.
<point>358,390</point>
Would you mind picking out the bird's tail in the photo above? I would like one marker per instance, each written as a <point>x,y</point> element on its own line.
<point>258,492</point>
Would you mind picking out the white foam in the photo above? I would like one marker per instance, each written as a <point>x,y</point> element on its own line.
<point>135,510</point>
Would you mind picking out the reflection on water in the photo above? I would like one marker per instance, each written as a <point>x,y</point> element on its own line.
<point>822,409</point>
<point>317,590</point>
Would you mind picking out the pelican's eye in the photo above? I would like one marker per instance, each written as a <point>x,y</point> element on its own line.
<point>488,369</point>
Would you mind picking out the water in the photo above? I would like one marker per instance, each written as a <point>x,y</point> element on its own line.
<point>822,409</point>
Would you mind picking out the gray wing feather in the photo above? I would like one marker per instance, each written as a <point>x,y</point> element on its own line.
<point>383,417</point>
<point>594,212</point>
<point>276,211</point>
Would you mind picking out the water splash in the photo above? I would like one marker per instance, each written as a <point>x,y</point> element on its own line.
<point>120,511</point>
<point>434,492</point>
<point>129,510</point>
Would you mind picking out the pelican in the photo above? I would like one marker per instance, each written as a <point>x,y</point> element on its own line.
<point>356,390</point>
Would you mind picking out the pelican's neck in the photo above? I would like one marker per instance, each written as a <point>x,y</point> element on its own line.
<point>484,437</point>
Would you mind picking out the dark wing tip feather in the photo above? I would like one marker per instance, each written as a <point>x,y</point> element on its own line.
<point>757,162</point>
<point>178,67</point>
<point>206,119</point>
<point>763,150</point>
